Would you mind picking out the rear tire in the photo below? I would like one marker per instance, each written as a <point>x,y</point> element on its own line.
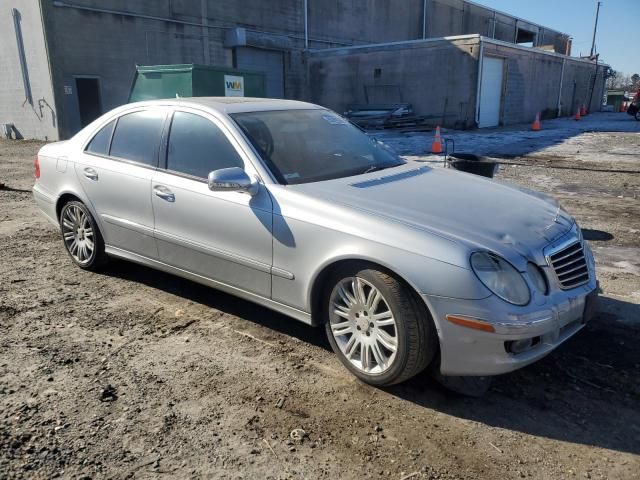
<point>81,237</point>
<point>377,326</point>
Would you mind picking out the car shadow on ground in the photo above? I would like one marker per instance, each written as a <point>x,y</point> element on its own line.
<point>218,300</point>
<point>585,392</point>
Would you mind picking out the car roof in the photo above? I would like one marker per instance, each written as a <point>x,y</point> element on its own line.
<point>231,105</point>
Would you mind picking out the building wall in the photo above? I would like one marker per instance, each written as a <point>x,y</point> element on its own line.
<point>532,84</point>
<point>108,44</point>
<point>577,85</point>
<point>437,77</point>
<point>101,44</point>
<point>458,17</point>
<point>34,117</point>
<point>354,22</point>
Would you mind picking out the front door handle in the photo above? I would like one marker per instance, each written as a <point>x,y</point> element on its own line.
<point>164,193</point>
<point>90,173</point>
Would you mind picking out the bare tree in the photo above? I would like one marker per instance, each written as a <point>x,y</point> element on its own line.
<point>621,81</point>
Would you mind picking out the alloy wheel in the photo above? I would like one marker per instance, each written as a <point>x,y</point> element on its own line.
<point>77,233</point>
<point>363,325</point>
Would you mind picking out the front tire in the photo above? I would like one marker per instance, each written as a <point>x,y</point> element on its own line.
<point>376,326</point>
<point>81,236</point>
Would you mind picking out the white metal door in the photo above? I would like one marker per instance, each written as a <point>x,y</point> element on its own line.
<point>490,92</point>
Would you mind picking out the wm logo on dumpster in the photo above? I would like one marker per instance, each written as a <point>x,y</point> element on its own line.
<point>233,86</point>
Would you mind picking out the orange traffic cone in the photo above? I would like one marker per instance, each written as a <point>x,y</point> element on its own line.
<point>621,107</point>
<point>577,117</point>
<point>583,110</point>
<point>436,146</point>
<point>536,123</point>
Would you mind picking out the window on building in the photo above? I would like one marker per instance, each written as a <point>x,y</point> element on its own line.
<point>197,146</point>
<point>525,38</point>
<point>137,136</point>
<point>99,144</point>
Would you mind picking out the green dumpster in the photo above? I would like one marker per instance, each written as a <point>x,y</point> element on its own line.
<point>191,80</point>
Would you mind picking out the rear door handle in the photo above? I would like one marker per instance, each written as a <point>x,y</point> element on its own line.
<point>90,173</point>
<point>164,193</point>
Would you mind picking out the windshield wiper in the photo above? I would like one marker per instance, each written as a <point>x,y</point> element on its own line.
<point>375,168</point>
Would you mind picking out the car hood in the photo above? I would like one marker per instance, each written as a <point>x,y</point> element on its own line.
<point>472,210</point>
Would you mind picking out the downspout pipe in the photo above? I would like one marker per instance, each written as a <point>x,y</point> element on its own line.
<point>22,58</point>
<point>306,24</point>
<point>478,86</point>
<point>560,89</point>
<point>424,19</point>
<point>593,84</point>
<point>493,25</point>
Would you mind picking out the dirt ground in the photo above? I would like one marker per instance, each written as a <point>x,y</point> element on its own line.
<point>133,373</point>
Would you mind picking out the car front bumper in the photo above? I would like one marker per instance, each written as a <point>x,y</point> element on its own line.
<point>548,320</point>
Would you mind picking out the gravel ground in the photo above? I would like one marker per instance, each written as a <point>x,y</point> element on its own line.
<point>136,374</point>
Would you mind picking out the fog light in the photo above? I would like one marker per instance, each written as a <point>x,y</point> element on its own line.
<point>521,346</point>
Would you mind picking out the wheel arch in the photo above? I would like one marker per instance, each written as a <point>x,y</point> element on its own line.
<point>65,198</point>
<point>316,290</point>
<point>68,195</point>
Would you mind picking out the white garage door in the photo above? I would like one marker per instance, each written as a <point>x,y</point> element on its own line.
<point>490,92</point>
<point>269,62</point>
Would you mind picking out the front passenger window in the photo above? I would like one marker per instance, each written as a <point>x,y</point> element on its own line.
<point>197,146</point>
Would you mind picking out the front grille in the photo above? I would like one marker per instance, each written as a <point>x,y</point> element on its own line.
<point>570,266</point>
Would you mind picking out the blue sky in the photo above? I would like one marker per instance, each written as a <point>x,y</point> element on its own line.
<point>618,26</point>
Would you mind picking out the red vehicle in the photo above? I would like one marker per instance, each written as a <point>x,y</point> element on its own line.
<point>634,107</point>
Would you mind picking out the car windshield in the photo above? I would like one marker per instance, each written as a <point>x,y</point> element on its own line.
<point>302,146</point>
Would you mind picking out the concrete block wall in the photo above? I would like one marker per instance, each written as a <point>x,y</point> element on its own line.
<point>532,84</point>
<point>107,46</point>
<point>438,77</point>
<point>365,21</point>
<point>34,118</point>
<point>577,85</point>
<point>458,17</point>
<point>478,20</point>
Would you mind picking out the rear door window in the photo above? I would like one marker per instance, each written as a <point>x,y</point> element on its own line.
<point>197,146</point>
<point>137,136</point>
<point>99,144</point>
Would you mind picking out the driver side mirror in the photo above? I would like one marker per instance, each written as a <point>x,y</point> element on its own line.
<point>233,179</point>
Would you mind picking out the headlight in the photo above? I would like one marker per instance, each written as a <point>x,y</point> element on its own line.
<point>537,278</point>
<point>500,277</point>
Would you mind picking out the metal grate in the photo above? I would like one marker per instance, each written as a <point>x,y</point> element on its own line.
<point>570,266</point>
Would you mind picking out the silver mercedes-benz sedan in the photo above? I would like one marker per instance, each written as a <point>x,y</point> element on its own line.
<point>290,206</point>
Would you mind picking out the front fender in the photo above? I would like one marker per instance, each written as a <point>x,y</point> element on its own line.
<point>310,249</point>
<point>423,274</point>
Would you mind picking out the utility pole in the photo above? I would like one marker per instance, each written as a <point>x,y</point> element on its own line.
<point>595,27</point>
